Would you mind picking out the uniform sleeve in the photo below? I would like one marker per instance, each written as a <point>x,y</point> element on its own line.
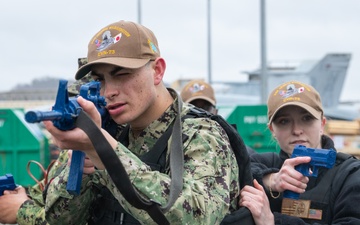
<point>210,178</point>
<point>33,211</point>
<point>61,207</point>
<point>346,208</point>
<point>263,164</point>
<point>64,208</point>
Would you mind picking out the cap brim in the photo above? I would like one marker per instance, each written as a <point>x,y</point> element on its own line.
<point>211,101</point>
<point>122,62</point>
<point>308,108</point>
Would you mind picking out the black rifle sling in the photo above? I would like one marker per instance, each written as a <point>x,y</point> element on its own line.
<point>176,158</point>
<point>116,170</point>
<point>155,157</point>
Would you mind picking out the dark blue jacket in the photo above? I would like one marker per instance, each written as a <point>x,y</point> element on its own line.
<point>336,194</point>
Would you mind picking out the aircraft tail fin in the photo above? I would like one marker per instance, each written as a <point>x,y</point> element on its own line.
<point>328,77</point>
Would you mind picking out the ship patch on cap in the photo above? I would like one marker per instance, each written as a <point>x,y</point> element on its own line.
<point>107,40</point>
<point>291,90</point>
<point>196,87</point>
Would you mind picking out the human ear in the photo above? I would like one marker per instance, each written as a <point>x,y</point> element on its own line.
<point>159,70</point>
<point>272,130</point>
<point>323,122</point>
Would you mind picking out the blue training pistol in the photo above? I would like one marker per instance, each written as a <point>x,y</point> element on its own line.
<point>319,158</point>
<point>7,183</point>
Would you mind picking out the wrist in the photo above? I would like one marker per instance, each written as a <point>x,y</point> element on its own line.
<point>273,194</point>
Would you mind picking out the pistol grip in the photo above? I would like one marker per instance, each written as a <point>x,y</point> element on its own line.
<point>76,171</point>
<point>291,194</point>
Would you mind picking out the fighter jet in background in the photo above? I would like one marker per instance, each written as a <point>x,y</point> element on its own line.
<point>327,76</point>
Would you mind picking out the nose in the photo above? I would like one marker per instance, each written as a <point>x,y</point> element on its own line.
<point>110,90</point>
<point>297,128</point>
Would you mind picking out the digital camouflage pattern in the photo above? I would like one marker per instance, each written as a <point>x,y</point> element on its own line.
<point>74,88</point>
<point>33,211</point>
<point>82,61</point>
<point>211,185</point>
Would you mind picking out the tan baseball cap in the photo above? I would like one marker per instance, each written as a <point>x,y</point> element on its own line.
<point>198,89</point>
<point>124,43</point>
<point>294,93</point>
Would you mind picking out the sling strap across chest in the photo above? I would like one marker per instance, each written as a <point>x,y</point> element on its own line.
<point>120,178</point>
<point>118,173</point>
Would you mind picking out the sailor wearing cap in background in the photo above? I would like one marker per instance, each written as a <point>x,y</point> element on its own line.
<point>296,117</point>
<point>200,94</point>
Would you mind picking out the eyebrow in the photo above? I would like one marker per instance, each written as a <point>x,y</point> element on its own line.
<point>95,74</point>
<point>116,70</point>
<point>282,114</point>
<point>112,72</point>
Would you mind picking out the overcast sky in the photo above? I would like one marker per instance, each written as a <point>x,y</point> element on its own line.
<point>44,38</point>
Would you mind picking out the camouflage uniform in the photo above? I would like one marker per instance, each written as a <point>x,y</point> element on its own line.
<point>33,211</point>
<point>210,188</point>
<point>82,61</point>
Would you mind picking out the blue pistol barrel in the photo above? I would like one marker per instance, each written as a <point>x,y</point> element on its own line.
<point>38,116</point>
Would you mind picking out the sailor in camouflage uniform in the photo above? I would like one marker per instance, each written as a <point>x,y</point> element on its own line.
<point>125,57</point>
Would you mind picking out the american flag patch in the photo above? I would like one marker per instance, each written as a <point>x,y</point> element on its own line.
<point>315,214</point>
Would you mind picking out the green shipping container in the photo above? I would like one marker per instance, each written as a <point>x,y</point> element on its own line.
<point>21,142</point>
<point>251,123</point>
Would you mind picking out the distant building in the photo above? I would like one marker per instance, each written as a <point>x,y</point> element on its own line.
<point>40,93</point>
